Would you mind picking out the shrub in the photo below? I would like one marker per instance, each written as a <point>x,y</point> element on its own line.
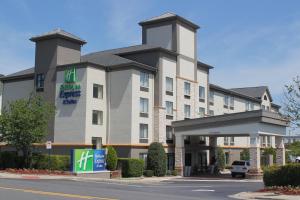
<point>282,175</point>
<point>57,162</point>
<point>131,167</point>
<point>156,159</point>
<point>148,173</point>
<point>245,154</point>
<point>8,159</point>
<point>111,159</point>
<point>220,158</point>
<point>174,173</point>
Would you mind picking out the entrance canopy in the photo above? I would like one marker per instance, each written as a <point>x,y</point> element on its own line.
<point>236,124</point>
<point>251,124</point>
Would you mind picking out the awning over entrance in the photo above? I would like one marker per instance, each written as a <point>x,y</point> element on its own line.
<point>250,124</point>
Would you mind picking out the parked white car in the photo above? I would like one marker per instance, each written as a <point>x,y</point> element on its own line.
<point>240,167</point>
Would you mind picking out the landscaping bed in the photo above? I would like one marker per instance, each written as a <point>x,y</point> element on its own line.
<point>37,171</point>
<point>287,190</point>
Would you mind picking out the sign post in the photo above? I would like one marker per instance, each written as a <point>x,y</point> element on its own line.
<point>49,147</point>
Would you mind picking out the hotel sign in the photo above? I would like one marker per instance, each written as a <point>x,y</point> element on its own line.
<point>70,90</point>
<point>88,160</point>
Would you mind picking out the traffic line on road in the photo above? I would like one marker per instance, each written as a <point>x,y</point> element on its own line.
<point>202,190</point>
<point>55,194</point>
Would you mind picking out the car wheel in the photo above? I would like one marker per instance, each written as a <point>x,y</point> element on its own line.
<point>244,175</point>
<point>232,175</point>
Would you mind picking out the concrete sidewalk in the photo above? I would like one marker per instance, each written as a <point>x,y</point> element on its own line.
<point>144,180</point>
<point>264,195</point>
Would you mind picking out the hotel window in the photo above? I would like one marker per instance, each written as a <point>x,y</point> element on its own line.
<point>231,103</point>
<point>249,106</point>
<point>187,89</point>
<point>143,156</point>
<point>169,86</point>
<point>144,81</point>
<point>201,112</point>
<point>269,141</point>
<point>169,134</point>
<point>226,141</point>
<point>40,78</point>
<point>187,111</point>
<point>231,141</point>
<point>211,98</point>
<point>265,97</point>
<point>211,113</point>
<point>98,91</point>
<point>144,104</point>
<point>169,108</point>
<point>143,133</point>
<point>201,94</point>
<point>226,101</point>
<point>97,118</point>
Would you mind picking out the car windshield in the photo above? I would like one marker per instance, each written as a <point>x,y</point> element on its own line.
<point>238,163</point>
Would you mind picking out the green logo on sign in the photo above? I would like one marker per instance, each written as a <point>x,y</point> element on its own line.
<point>70,75</point>
<point>84,160</point>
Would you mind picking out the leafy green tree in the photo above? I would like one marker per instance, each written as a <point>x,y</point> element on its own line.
<point>24,122</point>
<point>292,102</point>
<point>111,159</point>
<point>245,154</point>
<point>293,149</point>
<point>157,159</point>
<point>220,158</point>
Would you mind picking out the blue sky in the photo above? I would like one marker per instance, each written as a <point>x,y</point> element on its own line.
<point>249,43</point>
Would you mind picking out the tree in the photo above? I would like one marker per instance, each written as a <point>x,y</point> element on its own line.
<point>24,122</point>
<point>111,159</point>
<point>245,154</point>
<point>293,149</point>
<point>220,158</point>
<point>157,159</point>
<point>292,102</point>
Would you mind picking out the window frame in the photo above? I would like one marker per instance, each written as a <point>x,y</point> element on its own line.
<point>40,82</point>
<point>167,104</point>
<point>187,89</point>
<point>142,137</point>
<point>203,109</point>
<point>168,81</point>
<point>99,117</point>
<point>100,91</point>
<point>201,91</point>
<point>144,81</point>
<point>185,111</point>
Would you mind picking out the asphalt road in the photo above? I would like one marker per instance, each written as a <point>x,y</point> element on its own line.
<point>13,189</point>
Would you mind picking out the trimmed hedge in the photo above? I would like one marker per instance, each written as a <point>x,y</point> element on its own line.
<point>38,161</point>
<point>148,173</point>
<point>282,175</point>
<point>111,159</point>
<point>131,167</point>
<point>157,159</point>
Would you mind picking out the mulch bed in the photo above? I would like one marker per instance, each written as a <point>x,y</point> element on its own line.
<point>287,190</point>
<point>37,172</point>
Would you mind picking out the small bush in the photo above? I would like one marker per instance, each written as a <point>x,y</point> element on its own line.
<point>282,175</point>
<point>245,154</point>
<point>148,173</point>
<point>111,159</point>
<point>57,162</point>
<point>131,167</point>
<point>220,158</point>
<point>8,159</point>
<point>174,172</point>
<point>157,159</point>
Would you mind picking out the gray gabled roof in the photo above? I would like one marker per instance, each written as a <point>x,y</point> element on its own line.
<point>58,33</point>
<point>112,61</point>
<point>20,74</point>
<point>201,64</point>
<point>132,49</point>
<point>168,17</point>
<point>256,92</point>
<point>231,92</point>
